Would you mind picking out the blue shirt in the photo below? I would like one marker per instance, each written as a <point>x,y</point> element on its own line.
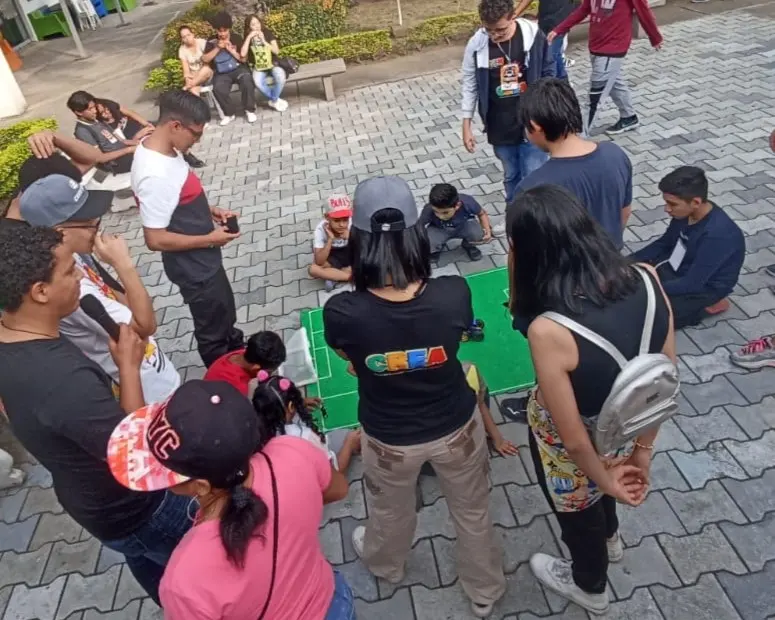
<point>468,209</point>
<point>602,181</point>
<point>715,250</point>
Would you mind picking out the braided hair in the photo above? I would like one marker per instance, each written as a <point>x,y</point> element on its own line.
<point>271,400</point>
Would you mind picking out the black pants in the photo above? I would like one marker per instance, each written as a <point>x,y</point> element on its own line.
<point>222,83</point>
<point>687,309</point>
<point>585,532</point>
<point>212,307</point>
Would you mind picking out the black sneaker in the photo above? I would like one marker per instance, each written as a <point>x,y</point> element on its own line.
<point>623,124</point>
<point>193,161</point>
<point>473,252</point>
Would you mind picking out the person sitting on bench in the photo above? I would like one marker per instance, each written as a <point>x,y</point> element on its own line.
<point>702,251</point>
<point>225,54</point>
<point>450,215</point>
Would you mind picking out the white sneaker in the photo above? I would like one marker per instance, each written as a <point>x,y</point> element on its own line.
<point>359,533</point>
<point>557,575</point>
<point>251,117</point>
<point>499,230</point>
<point>615,548</point>
<point>281,105</point>
<point>272,104</point>
<point>120,206</point>
<point>481,611</point>
<point>226,120</point>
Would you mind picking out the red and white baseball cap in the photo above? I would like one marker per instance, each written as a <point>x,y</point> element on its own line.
<point>339,206</point>
<point>206,430</point>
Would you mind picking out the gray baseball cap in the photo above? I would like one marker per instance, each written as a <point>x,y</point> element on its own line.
<point>374,195</point>
<point>56,199</point>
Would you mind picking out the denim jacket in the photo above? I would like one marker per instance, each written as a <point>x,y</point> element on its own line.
<point>539,62</point>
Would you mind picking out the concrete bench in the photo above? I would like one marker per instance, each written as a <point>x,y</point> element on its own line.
<point>324,70</point>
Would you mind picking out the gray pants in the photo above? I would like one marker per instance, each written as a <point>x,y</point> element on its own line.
<point>607,78</point>
<point>469,231</point>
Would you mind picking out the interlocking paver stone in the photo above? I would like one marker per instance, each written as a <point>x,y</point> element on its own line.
<point>640,607</point>
<point>643,565</point>
<point>35,603</point>
<point>17,536</point>
<point>755,455</point>
<point>697,508</point>
<point>654,516</point>
<point>753,594</point>
<point>703,465</point>
<point>704,601</point>
<point>716,425</point>
<point>754,543</point>
<point>701,553</point>
<point>755,419</point>
<point>66,558</point>
<point>95,591</point>
<point>23,567</point>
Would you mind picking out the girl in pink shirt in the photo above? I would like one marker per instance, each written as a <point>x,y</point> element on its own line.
<point>253,551</point>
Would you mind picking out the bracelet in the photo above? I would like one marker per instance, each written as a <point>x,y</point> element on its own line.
<point>643,446</point>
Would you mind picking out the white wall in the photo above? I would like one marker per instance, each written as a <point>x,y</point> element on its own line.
<point>12,102</point>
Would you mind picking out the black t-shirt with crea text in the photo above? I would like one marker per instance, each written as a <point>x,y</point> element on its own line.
<point>411,386</point>
<point>503,126</point>
<point>62,409</point>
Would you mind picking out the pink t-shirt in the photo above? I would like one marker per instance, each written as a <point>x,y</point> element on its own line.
<point>201,584</point>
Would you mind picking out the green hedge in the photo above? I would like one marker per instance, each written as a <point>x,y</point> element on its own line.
<point>167,77</point>
<point>14,151</point>
<point>357,46</point>
<point>439,29</point>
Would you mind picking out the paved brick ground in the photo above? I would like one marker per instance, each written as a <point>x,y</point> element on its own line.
<point>700,547</point>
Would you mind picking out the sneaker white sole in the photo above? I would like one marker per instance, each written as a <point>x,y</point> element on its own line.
<point>754,365</point>
<point>547,583</point>
<point>616,132</point>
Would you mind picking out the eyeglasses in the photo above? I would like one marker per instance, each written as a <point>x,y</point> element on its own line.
<point>497,32</point>
<point>196,133</point>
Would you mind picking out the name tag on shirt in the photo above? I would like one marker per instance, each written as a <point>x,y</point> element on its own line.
<point>676,258</point>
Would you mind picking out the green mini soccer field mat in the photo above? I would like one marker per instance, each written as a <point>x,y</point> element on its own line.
<point>503,357</point>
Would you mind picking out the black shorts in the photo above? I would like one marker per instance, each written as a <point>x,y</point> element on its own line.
<point>339,258</point>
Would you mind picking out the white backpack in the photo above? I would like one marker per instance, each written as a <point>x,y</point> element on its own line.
<point>643,394</point>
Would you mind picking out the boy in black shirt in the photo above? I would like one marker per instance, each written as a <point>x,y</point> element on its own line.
<point>501,61</point>
<point>65,421</point>
<point>450,215</point>
<point>225,54</point>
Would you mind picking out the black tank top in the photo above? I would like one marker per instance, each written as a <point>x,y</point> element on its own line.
<point>621,323</point>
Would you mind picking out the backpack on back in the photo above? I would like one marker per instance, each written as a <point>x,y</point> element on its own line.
<point>644,392</point>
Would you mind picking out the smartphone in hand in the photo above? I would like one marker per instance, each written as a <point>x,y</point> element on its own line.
<point>231,224</point>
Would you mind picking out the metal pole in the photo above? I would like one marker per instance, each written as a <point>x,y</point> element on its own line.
<point>76,37</point>
<point>400,16</point>
<point>120,15</point>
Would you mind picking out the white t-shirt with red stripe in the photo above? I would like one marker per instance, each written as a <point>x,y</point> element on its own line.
<point>171,197</point>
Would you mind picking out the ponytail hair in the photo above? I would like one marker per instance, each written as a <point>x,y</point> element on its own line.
<point>271,400</point>
<point>242,519</point>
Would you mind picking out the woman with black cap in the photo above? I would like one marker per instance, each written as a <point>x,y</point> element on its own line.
<point>253,550</point>
<point>401,332</point>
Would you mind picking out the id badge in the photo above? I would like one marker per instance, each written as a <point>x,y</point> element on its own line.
<point>511,85</point>
<point>677,257</point>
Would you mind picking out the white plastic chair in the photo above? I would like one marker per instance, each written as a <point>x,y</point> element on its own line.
<point>87,16</point>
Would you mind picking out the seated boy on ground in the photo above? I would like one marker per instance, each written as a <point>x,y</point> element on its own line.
<point>329,244</point>
<point>702,251</point>
<point>263,351</point>
<point>450,215</point>
<point>475,381</point>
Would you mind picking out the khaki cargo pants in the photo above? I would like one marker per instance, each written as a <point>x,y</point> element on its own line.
<point>461,462</point>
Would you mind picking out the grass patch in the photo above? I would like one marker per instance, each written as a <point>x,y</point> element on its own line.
<point>378,14</point>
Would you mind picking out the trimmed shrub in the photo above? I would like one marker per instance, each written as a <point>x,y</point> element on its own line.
<point>440,29</point>
<point>167,77</point>
<point>357,46</point>
<point>14,151</point>
<point>309,20</point>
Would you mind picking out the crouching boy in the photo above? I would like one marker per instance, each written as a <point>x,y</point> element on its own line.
<point>450,215</point>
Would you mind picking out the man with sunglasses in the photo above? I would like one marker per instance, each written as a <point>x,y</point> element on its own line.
<point>59,202</point>
<point>179,222</point>
<point>501,61</point>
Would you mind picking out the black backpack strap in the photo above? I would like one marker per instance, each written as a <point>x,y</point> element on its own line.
<point>275,528</point>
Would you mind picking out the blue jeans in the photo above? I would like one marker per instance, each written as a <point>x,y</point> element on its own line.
<point>274,90</point>
<point>342,605</point>
<point>518,161</point>
<point>148,549</point>
<point>556,49</point>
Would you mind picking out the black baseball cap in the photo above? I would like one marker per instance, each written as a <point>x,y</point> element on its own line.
<point>378,193</point>
<point>206,430</point>
<point>56,199</point>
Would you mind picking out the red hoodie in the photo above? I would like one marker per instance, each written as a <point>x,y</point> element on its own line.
<point>610,24</point>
